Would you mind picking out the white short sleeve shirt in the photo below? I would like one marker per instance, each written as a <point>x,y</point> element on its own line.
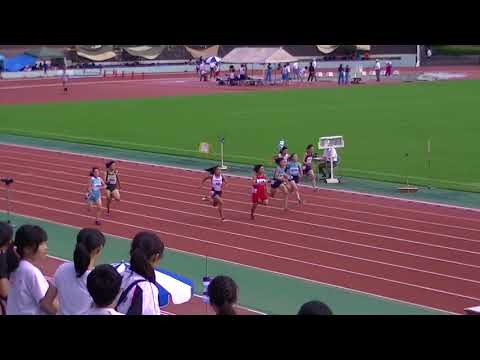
<point>28,287</point>
<point>73,296</point>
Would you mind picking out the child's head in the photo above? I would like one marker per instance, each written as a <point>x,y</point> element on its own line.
<point>95,172</point>
<point>222,292</point>
<point>145,253</point>
<point>309,148</point>
<point>90,243</point>
<point>214,170</point>
<point>293,158</point>
<point>103,285</point>
<point>30,243</point>
<point>111,165</point>
<point>259,169</point>
<point>6,235</point>
<point>281,162</point>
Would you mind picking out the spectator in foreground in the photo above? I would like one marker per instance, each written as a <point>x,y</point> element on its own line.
<point>70,280</point>
<point>139,290</point>
<point>6,235</point>
<point>314,308</point>
<point>28,286</point>
<point>222,293</point>
<point>103,285</point>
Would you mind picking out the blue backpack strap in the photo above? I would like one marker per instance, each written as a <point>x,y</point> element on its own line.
<point>125,292</point>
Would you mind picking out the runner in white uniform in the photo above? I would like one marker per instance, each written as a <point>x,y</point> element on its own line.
<point>217,183</point>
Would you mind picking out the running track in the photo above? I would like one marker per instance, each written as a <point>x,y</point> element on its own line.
<point>414,252</point>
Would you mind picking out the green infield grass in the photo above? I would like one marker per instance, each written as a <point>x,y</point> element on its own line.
<point>380,124</point>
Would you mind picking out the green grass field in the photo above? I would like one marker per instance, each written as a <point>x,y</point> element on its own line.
<point>457,50</point>
<point>380,125</point>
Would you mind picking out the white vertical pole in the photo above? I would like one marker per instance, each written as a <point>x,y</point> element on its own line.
<point>331,167</point>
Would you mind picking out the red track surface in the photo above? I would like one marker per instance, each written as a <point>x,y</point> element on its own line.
<point>418,253</point>
<point>27,91</point>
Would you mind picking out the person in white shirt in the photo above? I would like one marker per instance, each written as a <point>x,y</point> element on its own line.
<point>70,280</point>
<point>28,286</point>
<point>103,285</point>
<point>329,155</point>
<point>296,70</point>
<point>314,63</point>
<point>139,292</point>
<point>378,67</point>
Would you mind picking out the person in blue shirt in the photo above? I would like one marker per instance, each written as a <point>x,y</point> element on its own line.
<point>294,171</point>
<point>280,181</point>
<point>94,194</point>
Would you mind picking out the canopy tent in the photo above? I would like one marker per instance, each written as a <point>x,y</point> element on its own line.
<point>96,52</point>
<point>247,55</point>
<point>46,53</point>
<point>147,52</point>
<point>19,62</point>
<point>205,53</point>
<point>328,49</point>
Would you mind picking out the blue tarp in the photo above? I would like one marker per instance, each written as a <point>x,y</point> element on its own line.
<point>18,62</point>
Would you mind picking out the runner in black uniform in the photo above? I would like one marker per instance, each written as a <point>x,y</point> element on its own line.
<point>113,184</point>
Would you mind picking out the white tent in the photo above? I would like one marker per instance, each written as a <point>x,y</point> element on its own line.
<point>247,55</point>
<point>327,49</point>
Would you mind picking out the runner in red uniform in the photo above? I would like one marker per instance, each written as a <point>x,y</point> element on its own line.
<point>259,189</point>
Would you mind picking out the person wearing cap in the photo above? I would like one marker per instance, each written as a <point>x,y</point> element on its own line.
<point>377,69</point>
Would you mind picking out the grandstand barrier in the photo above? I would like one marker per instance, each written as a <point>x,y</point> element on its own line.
<point>115,71</point>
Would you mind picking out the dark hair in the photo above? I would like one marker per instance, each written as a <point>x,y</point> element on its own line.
<point>26,236</point>
<point>87,241</point>
<point>291,156</point>
<point>222,292</point>
<point>6,233</point>
<point>278,161</point>
<point>309,146</point>
<point>109,164</point>
<point>314,308</point>
<point>103,284</point>
<point>257,168</point>
<point>93,170</point>
<point>284,148</point>
<point>144,245</point>
<point>212,169</point>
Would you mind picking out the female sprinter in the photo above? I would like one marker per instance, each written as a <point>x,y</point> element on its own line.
<point>259,191</point>
<point>113,184</point>
<point>283,154</point>
<point>294,171</point>
<point>217,183</point>
<point>94,195</point>
<point>307,165</point>
<point>280,181</point>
